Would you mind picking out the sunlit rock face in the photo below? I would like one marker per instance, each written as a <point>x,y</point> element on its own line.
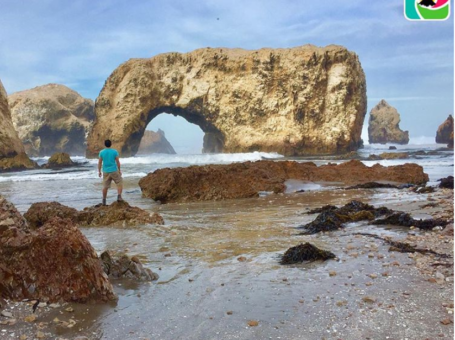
<point>51,118</point>
<point>155,142</point>
<point>444,134</point>
<point>295,101</point>
<point>383,126</point>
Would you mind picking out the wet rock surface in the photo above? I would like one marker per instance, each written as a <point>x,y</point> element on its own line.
<point>243,180</point>
<point>305,252</point>
<point>444,135</point>
<point>53,263</point>
<point>383,126</point>
<point>117,213</point>
<point>122,266</point>
<point>446,182</point>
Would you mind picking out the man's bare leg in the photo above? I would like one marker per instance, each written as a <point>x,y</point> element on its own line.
<point>104,195</point>
<point>119,193</point>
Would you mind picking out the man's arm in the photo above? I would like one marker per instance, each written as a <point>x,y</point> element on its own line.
<point>117,160</point>
<point>100,162</point>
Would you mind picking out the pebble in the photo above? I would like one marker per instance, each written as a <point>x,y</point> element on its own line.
<point>241,258</point>
<point>369,299</point>
<point>229,312</point>
<point>40,335</point>
<point>253,323</point>
<point>332,273</point>
<point>30,318</point>
<point>446,321</point>
<point>6,314</point>
<point>373,276</point>
<point>69,309</point>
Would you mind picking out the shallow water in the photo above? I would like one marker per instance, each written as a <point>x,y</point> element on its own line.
<point>199,253</point>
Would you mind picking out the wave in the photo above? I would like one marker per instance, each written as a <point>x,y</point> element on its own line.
<point>61,176</point>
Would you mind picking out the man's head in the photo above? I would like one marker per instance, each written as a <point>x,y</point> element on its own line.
<point>107,143</point>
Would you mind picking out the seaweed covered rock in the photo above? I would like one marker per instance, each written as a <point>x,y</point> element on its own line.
<point>53,263</point>
<point>332,218</point>
<point>243,180</point>
<point>405,220</point>
<point>117,213</point>
<point>39,213</point>
<point>10,216</point>
<point>123,266</point>
<point>305,252</point>
<point>59,160</point>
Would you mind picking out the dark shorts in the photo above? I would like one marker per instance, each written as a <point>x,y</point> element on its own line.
<point>108,177</point>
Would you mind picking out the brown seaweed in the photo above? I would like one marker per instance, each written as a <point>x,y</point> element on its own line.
<point>305,252</point>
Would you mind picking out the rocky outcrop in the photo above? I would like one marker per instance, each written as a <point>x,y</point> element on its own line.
<point>383,126</point>
<point>12,153</point>
<point>59,160</point>
<point>154,142</point>
<point>51,118</point>
<point>123,266</point>
<point>295,101</point>
<point>118,214</point>
<point>10,216</point>
<point>241,180</point>
<point>53,263</point>
<point>444,135</point>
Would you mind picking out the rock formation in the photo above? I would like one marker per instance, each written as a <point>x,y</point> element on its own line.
<point>118,213</point>
<point>53,263</point>
<point>154,142</point>
<point>295,101</point>
<point>123,266</point>
<point>444,135</point>
<point>51,118</point>
<point>12,153</point>
<point>241,180</point>
<point>383,126</point>
<point>59,160</point>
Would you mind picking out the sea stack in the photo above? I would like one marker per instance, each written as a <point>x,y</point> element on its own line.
<point>12,153</point>
<point>444,135</point>
<point>294,101</point>
<point>155,142</point>
<point>383,126</point>
<point>51,118</point>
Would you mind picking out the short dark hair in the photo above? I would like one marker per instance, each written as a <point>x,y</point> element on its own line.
<point>107,143</point>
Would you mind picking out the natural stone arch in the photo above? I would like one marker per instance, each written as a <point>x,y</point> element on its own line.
<point>296,101</point>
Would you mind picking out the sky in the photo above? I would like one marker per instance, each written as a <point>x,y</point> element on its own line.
<point>79,43</point>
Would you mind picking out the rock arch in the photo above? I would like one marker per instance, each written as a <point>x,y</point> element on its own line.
<point>296,101</point>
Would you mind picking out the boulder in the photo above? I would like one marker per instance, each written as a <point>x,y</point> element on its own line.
<point>12,152</point>
<point>444,135</point>
<point>305,252</point>
<point>123,266</point>
<point>10,216</point>
<point>383,126</point>
<point>51,118</point>
<point>154,142</point>
<point>52,263</point>
<point>59,160</point>
<point>118,214</point>
<point>294,101</point>
<point>242,180</point>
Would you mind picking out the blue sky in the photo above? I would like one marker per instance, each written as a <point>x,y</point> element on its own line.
<point>79,44</point>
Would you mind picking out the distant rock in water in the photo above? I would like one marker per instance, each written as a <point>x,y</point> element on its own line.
<point>51,118</point>
<point>12,152</point>
<point>59,160</point>
<point>444,135</point>
<point>155,142</point>
<point>383,126</point>
<point>293,101</point>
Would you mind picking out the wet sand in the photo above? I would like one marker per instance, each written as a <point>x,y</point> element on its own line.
<point>220,276</point>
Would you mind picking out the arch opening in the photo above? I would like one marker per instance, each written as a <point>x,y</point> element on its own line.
<point>187,132</point>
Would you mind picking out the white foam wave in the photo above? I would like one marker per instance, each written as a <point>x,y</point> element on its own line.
<point>64,176</point>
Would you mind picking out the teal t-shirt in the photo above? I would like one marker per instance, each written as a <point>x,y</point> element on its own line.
<point>108,156</point>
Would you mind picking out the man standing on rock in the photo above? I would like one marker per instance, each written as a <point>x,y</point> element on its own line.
<point>109,159</point>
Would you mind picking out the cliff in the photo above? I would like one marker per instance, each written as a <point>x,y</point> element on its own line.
<point>444,135</point>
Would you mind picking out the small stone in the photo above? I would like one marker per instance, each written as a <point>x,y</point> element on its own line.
<point>69,309</point>
<point>42,304</point>
<point>253,323</point>
<point>229,312</point>
<point>6,314</point>
<point>332,273</point>
<point>446,321</point>
<point>373,276</point>
<point>30,318</point>
<point>168,255</point>
<point>241,258</point>
<point>23,337</point>
<point>301,301</point>
<point>342,303</point>
<point>440,278</point>
<point>432,280</point>
<point>370,255</point>
<point>40,335</point>
<point>369,299</point>
<point>54,305</point>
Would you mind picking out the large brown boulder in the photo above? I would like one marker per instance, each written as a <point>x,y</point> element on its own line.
<point>53,263</point>
<point>154,142</point>
<point>59,160</point>
<point>51,118</point>
<point>293,101</point>
<point>444,135</point>
<point>383,126</point>
<point>241,180</point>
<point>115,214</point>
<point>12,153</point>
